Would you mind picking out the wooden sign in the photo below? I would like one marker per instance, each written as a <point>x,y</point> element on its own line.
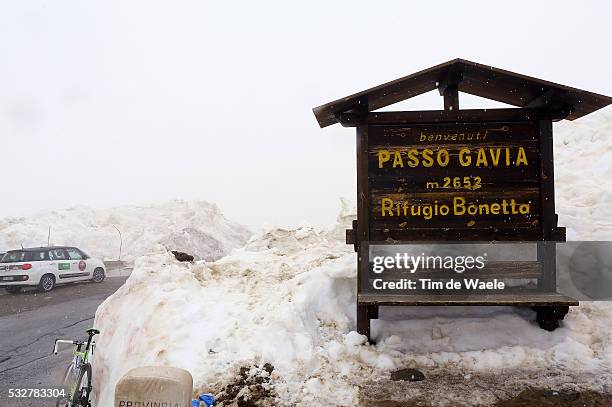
<point>464,176</point>
<point>468,175</point>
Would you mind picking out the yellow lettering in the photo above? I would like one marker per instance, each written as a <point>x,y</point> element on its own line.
<point>465,159</point>
<point>522,157</point>
<point>413,157</point>
<point>472,209</point>
<point>397,160</point>
<point>458,205</point>
<point>443,158</point>
<point>383,157</point>
<point>427,158</point>
<point>482,158</point>
<point>483,209</point>
<point>513,208</point>
<point>387,205</point>
<point>495,158</point>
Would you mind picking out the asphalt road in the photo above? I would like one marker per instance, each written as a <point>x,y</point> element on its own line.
<point>29,324</point>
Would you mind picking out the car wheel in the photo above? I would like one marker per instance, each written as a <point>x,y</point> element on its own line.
<point>13,290</point>
<point>46,284</point>
<point>98,275</point>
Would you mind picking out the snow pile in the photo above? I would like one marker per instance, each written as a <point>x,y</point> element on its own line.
<point>198,228</point>
<point>288,299</point>
<point>583,176</point>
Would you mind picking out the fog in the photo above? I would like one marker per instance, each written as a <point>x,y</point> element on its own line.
<point>107,103</point>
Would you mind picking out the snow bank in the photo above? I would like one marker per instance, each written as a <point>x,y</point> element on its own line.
<point>198,228</point>
<point>583,176</point>
<point>288,298</point>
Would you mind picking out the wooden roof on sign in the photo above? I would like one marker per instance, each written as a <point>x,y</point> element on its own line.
<point>470,77</point>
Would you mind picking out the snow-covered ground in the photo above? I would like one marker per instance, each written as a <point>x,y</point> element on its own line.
<point>288,298</point>
<point>198,228</point>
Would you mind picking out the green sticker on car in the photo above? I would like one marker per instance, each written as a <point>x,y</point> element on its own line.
<point>63,266</point>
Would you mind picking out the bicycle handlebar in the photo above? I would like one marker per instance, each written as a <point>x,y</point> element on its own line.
<point>58,341</point>
<point>91,332</point>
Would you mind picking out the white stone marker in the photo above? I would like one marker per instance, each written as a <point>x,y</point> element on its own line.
<point>154,386</point>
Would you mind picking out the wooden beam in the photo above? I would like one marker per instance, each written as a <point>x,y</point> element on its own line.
<point>448,87</point>
<point>545,99</point>
<point>451,98</point>
<point>525,299</point>
<point>493,269</point>
<point>445,116</point>
<point>362,234</point>
<point>350,236</point>
<point>547,180</point>
<point>363,322</point>
<point>363,192</point>
<point>551,101</point>
<point>450,234</point>
<point>477,79</point>
<point>548,217</point>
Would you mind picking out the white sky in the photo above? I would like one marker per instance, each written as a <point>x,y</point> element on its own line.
<point>106,103</point>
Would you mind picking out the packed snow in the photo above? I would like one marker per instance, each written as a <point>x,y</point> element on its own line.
<point>198,228</point>
<point>583,176</point>
<point>288,298</point>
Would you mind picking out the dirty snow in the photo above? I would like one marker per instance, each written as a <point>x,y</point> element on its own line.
<point>288,298</point>
<point>198,228</point>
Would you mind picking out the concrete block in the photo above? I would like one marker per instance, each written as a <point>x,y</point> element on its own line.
<point>154,386</point>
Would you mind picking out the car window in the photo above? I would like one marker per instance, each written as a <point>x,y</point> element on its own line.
<point>39,255</point>
<point>57,254</point>
<point>74,254</point>
<point>16,257</point>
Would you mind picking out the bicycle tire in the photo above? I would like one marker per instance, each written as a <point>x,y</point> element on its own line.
<point>62,401</point>
<point>80,398</point>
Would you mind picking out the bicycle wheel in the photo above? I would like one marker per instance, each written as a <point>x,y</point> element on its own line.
<point>80,398</point>
<point>62,401</point>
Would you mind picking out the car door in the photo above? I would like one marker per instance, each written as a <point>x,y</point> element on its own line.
<point>39,260</point>
<point>61,265</point>
<point>79,267</point>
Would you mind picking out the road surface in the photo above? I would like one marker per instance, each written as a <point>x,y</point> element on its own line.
<point>29,324</point>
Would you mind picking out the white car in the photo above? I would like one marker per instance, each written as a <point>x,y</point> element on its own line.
<point>44,267</point>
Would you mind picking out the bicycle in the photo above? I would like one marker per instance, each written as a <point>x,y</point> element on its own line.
<point>78,375</point>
